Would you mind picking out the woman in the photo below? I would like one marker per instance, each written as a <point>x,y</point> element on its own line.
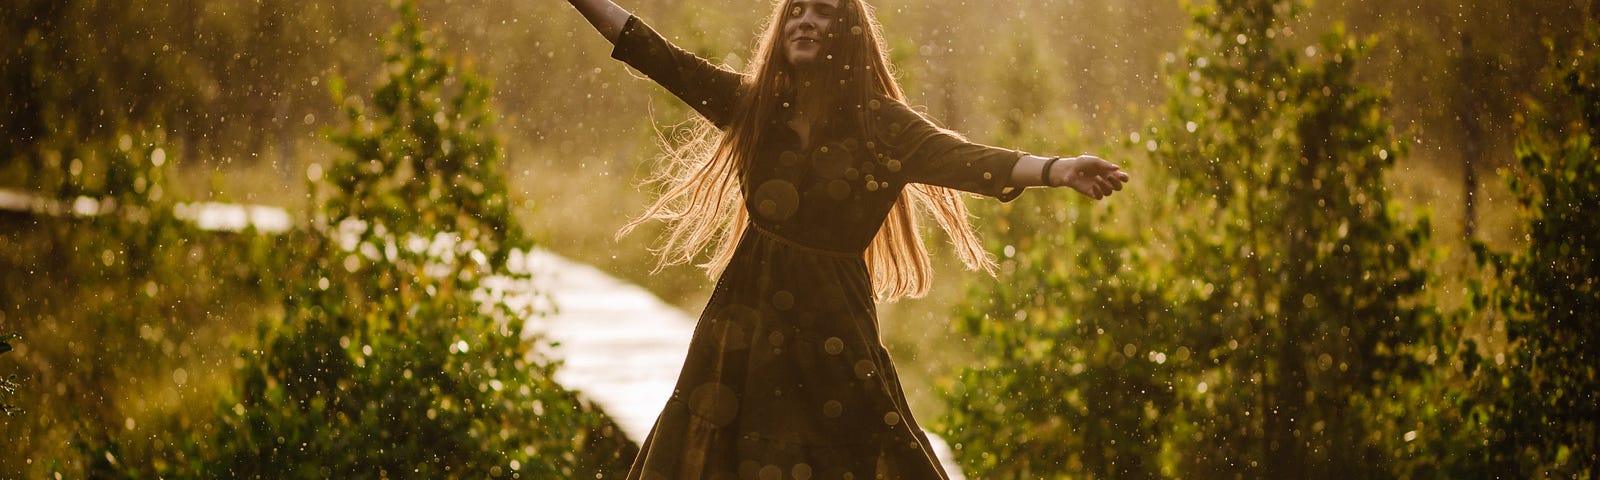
<point>807,194</point>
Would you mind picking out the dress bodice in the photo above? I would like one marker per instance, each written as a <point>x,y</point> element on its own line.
<point>835,195</point>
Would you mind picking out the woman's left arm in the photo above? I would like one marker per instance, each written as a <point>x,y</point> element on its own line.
<point>936,156</point>
<point>1088,174</point>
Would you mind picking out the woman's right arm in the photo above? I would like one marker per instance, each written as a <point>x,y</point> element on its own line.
<point>709,89</point>
<point>605,15</point>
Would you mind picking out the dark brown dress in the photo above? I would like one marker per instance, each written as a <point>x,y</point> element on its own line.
<point>786,377</point>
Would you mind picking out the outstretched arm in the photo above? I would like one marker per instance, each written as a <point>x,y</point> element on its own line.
<point>605,15</point>
<point>935,156</point>
<point>707,88</point>
<point>1088,174</point>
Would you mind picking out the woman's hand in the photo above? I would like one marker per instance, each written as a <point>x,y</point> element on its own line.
<point>1088,174</point>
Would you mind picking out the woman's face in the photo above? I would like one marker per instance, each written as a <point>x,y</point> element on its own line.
<point>805,30</point>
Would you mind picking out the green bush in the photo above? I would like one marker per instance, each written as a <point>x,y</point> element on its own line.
<point>399,352</point>
<point>1535,411</point>
<point>131,296</point>
<point>390,336</point>
<point>1268,326</point>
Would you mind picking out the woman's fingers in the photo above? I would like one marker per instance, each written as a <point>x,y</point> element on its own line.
<point>1093,165</point>
<point>1094,177</point>
<point>1101,178</point>
<point>1108,184</point>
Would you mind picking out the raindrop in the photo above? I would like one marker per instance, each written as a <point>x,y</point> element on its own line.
<point>802,471</point>
<point>832,408</point>
<point>777,200</point>
<point>865,369</point>
<point>715,402</point>
<point>771,472</point>
<point>783,300</point>
<point>891,419</point>
<point>833,345</point>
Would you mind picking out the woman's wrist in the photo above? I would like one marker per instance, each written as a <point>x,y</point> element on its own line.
<point>1044,172</point>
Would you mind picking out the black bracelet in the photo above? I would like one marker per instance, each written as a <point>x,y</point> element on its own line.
<point>1044,173</point>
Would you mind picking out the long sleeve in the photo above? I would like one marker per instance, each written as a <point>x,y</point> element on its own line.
<point>928,154</point>
<point>710,90</point>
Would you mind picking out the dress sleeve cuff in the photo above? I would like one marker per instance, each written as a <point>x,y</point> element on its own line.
<point>1005,191</point>
<point>631,41</point>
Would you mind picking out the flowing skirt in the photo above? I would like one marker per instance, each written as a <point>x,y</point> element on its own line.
<point>786,378</point>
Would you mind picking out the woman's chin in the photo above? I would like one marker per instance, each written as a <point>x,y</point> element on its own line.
<point>804,58</point>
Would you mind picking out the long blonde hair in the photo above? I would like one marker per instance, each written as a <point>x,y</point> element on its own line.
<point>701,204</point>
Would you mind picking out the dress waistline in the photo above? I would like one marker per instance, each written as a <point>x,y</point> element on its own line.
<point>804,248</point>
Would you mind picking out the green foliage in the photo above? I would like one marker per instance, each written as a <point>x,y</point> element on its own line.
<point>1536,413</point>
<point>421,162</point>
<point>1266,328</point>
<point>129,293</point>
<point>46,41</point>
<point>1323,276</point>
<point>9,383</point>
<point>1069,338</point>
<point>399,351</point>
<point>388,346</point>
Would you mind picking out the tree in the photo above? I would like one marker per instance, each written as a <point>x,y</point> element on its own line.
<point>399,349</point>
<point>1536,412</point>
<point>1257,318</point>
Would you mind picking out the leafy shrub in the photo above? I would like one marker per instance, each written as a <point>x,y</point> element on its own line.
<point>399,351</point>
<point>130,295</point>
<point>1535,411</point>
<point>1259,315</point>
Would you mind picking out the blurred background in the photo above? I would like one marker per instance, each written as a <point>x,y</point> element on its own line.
<point>1357,240</point>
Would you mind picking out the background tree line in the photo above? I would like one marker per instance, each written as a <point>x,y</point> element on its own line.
<point>1274,312</point>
